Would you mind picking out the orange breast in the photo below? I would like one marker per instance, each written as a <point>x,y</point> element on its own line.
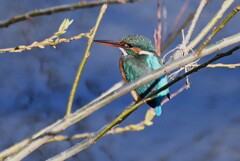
<point>133,92</point>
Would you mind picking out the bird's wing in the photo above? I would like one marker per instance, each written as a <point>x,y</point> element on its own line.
<point>132,69</point>
<point>133,92</point>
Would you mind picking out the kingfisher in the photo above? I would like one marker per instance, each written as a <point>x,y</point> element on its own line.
<point>138,59</point>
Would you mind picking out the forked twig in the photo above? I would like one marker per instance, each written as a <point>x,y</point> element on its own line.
<point>52,41</point>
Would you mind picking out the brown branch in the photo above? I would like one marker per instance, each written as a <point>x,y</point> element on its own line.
<point>57,9</point>
<point>180,14</point>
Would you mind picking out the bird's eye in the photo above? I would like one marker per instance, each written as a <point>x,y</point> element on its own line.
<point>127,45</point>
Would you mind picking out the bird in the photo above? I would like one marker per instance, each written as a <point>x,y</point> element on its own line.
<point>138,59</point>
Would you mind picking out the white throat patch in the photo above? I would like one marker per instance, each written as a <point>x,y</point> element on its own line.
<point>142,52</point>
<point>123,51</point>
<point>146,53</point>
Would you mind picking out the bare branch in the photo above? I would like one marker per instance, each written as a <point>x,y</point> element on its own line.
<point>133,127</point>
<point>220,65</point>
<point>51,41</point>
<point>180,14</point>
<point>195,19</point>
<point>84,60</point>
<point>158,33</point>
<point>57,9</point>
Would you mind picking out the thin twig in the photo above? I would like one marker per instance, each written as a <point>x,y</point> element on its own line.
<point>176,32</point>
<point>84,60</point>
<point>220,65</point>
<point>195,19</point>
<point>57,9</point>
<point>88,142</point>
<point>180,14</point>
<point>51,41</point>
<point>158,33</point>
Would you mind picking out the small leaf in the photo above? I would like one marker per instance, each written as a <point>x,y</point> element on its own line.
<point>64,26</point>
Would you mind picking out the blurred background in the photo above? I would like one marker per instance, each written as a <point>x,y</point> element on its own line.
<point>202,123</point>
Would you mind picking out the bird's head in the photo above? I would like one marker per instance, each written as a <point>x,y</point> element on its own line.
<point>132,45</point>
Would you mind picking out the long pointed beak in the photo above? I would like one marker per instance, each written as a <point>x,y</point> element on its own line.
<point>110,43</point>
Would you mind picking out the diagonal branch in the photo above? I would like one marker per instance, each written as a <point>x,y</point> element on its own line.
<point>57,9</point>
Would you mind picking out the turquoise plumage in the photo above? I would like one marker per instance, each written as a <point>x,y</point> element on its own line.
<point>134,67</point>
<point>139,59</point>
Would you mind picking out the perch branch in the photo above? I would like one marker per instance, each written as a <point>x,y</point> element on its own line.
<point>133,127</point>
<point>88,142</point>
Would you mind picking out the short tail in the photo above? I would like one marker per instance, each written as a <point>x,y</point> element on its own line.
<point>158,110</point>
